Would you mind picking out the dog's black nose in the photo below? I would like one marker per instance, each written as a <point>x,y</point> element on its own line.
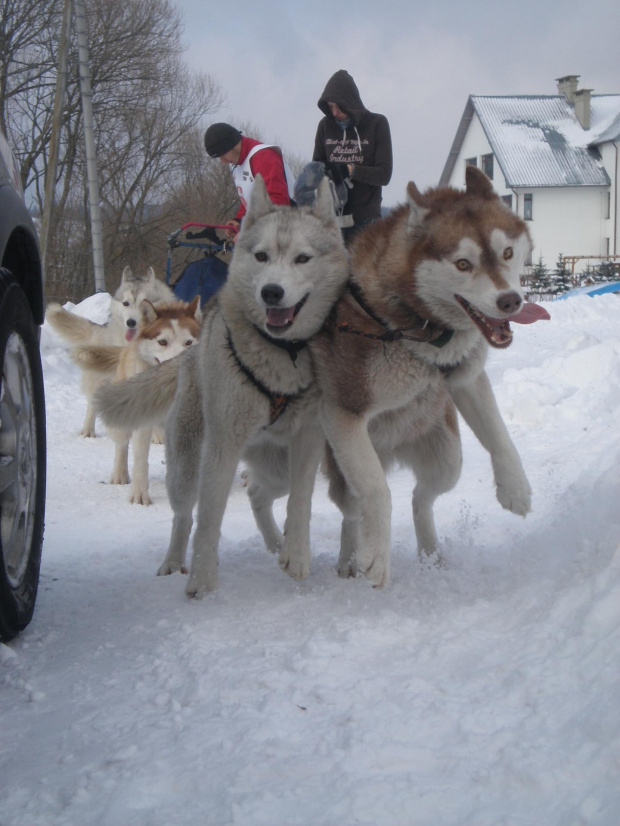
<point>509,303</point>
<point>272,294</point>
<point>131,322</point>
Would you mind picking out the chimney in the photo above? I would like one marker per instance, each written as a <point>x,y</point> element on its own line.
<point>567,86</point>
<point>582,107</point>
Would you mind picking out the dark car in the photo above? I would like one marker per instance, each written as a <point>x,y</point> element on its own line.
<point>22,404</point>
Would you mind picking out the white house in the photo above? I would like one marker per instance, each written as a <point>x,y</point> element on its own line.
<point>554,160</point>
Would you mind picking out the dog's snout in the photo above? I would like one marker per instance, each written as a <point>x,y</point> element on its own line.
<point>272,294</point>
<point>509,303</point>
<point>131,322</point>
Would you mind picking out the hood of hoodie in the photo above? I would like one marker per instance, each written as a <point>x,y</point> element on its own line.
<point>341,89</point>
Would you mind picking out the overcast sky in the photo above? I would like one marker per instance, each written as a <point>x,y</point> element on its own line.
<point>414,62</point>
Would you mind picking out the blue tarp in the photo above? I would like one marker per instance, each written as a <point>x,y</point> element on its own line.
<point>592,289</point>
<point>203,278</point>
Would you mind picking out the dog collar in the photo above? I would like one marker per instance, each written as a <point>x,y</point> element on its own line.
<point>292,346</point>
<point>422,331</point>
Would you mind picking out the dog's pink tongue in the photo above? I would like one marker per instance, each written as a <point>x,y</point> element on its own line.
<point>277,317</point>
<point>529,314</point>
<point>130,334</point>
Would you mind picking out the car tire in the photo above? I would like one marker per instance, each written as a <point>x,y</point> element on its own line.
<point>22,458</point>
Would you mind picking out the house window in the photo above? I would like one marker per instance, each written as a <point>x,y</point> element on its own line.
<point>528,199</point>
<point>487,165</point>
<point>507,199</point>
<point>471,161</point>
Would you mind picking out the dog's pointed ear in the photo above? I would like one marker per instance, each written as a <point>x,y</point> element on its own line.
<point>477,183</point>
<point>150,274</point>
<point>127,274</point>
<point>148,311</point>
<point>193,308</point>
<point>417,206</point>
<point>260,203</point>
<point>323,206</point>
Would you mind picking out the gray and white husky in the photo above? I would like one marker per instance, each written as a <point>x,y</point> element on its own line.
<point>246,391</point>
<point>121,329</point>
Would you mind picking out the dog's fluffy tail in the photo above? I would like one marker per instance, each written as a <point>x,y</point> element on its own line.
<point>100,359</point>
<point>141,400</point>
<point>72,327</point>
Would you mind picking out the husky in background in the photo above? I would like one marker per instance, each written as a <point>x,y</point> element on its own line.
<point>165,331</point>
<point>247,391</point>
<point>121,329</point>
<point>433,286</point>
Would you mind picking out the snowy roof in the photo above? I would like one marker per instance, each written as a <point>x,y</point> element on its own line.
<point>538,140</point>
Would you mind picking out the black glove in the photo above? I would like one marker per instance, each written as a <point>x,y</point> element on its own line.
<point>338,172</point>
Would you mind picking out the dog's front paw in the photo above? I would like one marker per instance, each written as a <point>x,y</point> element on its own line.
<point>88,433</point>
<point>515,497</point>
<point>375,569</point>
<point>296,565</point>
<point>120,478</point>
<point>168,567</point>
<point>196,590</point>
<point>140,497</point>
<point>346,570</point>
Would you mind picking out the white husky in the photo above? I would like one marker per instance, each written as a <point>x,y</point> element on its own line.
<point>165,331</point>
<point>247,390</point>
<point>120,329</point>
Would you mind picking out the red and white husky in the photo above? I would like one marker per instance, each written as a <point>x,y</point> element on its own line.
<point>433,286</point>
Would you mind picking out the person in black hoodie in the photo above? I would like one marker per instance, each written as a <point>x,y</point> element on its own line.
<point>356,147</point>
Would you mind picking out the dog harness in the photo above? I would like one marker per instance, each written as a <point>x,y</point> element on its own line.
<point>422,330</point>
<point>278,402</point>
<point>292,347</point>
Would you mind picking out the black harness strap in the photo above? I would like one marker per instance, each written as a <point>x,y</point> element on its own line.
<point>278,402</point>
<point>422,330</point>
<point>292,347</point>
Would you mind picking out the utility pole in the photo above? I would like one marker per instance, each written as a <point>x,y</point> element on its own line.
<point>89,137</point>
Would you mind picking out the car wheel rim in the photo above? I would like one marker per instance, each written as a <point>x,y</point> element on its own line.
<point>18,465</point>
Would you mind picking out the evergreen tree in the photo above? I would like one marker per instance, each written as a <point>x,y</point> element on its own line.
<point>561,277</point>
<point>541,278</point>
<point>607,271</point>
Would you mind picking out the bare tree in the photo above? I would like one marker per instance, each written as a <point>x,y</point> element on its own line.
<point>145,102</point>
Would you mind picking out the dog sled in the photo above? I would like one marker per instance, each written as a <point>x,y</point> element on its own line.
<point>205,259</point>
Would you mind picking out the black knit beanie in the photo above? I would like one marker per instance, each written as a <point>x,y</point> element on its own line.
<point>220,138</point>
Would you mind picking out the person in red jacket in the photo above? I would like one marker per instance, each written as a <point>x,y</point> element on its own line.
<point>247,158</point>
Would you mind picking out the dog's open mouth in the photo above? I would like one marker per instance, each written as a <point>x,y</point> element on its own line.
<point>280,319</point>
<point>497,331</point>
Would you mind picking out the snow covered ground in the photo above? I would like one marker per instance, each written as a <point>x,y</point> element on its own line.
<point>483,694</point>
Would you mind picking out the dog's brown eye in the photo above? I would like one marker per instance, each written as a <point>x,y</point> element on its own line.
<point>189,342</point>
<point>463,265</point>
<point>508,253</point>
<point>302,259</point>
<point>163,342</point>
<point>260,256</point>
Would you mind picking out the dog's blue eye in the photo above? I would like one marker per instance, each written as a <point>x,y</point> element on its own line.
<point>261,256</point>
<point>302,259</point>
